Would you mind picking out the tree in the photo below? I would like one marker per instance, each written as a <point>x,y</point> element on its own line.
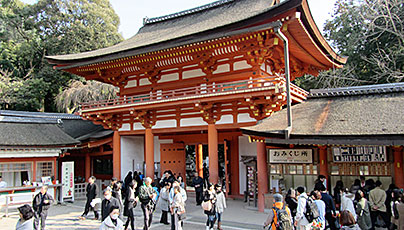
<point>83,91</point>
<point>50,27</point>
<point>371,34</point>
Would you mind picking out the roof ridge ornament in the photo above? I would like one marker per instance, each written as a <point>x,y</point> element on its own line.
<point>147,20</point>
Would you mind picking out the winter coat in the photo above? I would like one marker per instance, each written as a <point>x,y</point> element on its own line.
<point>130,201</point>
<point>36,203</point>
<point>220,202</point>
<point>144,195</point>
<point>197,182</point>
<point>292,205</point>
<point>108,225</point>
<point>301,208</point>
<point>377,199</point>
<point>163,202</point>
<point>399,220</point>
<point>106,206</point>
<point>352,227</point>
<point>24,225</point>
<point>363,214</point>
<point>210,196</point>
<point>92,191</point>
<point>178,204</point>
<point>347,204</point>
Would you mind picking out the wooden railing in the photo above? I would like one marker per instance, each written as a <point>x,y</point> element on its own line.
<point>203,89</point>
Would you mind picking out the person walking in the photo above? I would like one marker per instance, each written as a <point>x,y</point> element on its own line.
<point>197,182</point>
<point>291,201</point>
<point>205,174</point>
<point>91,194</point>
<point>277,217</point>
<point>112,221</point>
<point>362,211</point>
<point>320,222</point>
<point>301,221</point>
<point>171,199</point>
<point>163,203</point>
<point>130,204</point>
<point>108,202</point>
<point>220,205</point>
<point>377,199</point>
<point>25,222</point>
<point>347,221</point>
<point>177,208</point>
<point>347,202</point>
<point>210,198</point>
<point>146,195</point>
<point>330,212</point>
<point>41,204</point>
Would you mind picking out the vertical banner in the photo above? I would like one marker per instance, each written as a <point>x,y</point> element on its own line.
<point>68,180</point>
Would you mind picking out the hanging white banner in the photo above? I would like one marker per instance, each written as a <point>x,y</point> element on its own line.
<point>68,180</point>
<point>302,156</point>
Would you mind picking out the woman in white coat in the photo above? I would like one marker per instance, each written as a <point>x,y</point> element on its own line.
<point>347,202</point>
<point>163,203</point>
<point>220,205</point>
<point>112,222</point>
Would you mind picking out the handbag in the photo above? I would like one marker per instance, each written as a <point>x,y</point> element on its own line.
<point>207,205</point>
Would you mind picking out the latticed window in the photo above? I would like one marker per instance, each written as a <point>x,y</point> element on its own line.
<point>14,174</point>
<point>44,169</point>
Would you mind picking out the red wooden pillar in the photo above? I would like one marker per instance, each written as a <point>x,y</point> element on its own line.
<point>116,155</point>
<point>88,166</point>
<point>398,166</point>
<point>213,155</point>
<point>323,163</point>
<point>234,166</point>
<point>262,174</point>
<point>199,159</point>
<point>149,153</point>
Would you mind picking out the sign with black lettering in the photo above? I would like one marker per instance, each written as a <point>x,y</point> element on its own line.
<point>302,156</point>
<point>359,154</point>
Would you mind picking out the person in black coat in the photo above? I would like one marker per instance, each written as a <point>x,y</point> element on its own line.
<point>108,202</point>
<point>130,204</point>
<point>41,204</point>
<point>197,182</point>
<point>330,212</point>
<point>291,201</point>
<point>92,193</point>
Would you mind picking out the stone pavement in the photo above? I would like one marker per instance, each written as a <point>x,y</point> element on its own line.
<point>65,216</point>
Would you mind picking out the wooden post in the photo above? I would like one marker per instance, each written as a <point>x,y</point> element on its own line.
<point>116,155</point>
<point>213,154</point>
<point>149,153</point>
<point>34,171</point>
<point>262,174</point>
<point>323,162</point>
<point>398,166</point>
<point>234,166</point>
<point>88,166</point>
<point>199,159</point>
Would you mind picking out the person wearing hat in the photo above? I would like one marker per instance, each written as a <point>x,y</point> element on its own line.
<point>108,202</point>
<point>277,205</point>
<point>25,221</point>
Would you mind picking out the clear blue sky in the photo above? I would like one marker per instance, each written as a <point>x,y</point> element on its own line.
<point>132,12</point>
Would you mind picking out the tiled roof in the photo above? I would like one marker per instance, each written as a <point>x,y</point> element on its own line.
<point>353,111</point>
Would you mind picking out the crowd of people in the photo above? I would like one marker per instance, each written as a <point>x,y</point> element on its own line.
<point>364,205</point>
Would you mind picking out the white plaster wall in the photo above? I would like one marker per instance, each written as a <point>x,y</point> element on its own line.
<point>156,149</point>
<point>241,65</point>
<point>169,77</point>
<point>125,127</point>
<point>144,81</point>
<point>222,69</point>
<point>245,149</point>
<point>225,119</point>
<point>132,83</point>
<point>192,73</point>
<point>196,121</point>
<point>132,154</point>
<point>244,117</point>
<point>138,126</point>
<point>165,124</point>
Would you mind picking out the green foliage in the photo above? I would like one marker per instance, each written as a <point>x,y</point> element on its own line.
<point>371,34</point>
<point>50,27</point>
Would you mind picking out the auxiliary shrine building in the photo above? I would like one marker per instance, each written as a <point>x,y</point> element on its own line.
<point>190,80</point>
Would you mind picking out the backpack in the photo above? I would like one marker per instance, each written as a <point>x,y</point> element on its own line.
<point>311,213</point>
<point>284,221</point>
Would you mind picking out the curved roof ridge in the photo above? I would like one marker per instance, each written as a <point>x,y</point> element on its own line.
<point>185,12</point>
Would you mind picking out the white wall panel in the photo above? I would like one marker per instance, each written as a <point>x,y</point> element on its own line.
<point>245,149</point>
<point>196,121</point>
<point>225,119</point>
<point>125,127</point>
<point>132,154</point>
<point>165,124</point>
<point>193,73</point>
<point>244,117</point>
<point>241,65</point>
